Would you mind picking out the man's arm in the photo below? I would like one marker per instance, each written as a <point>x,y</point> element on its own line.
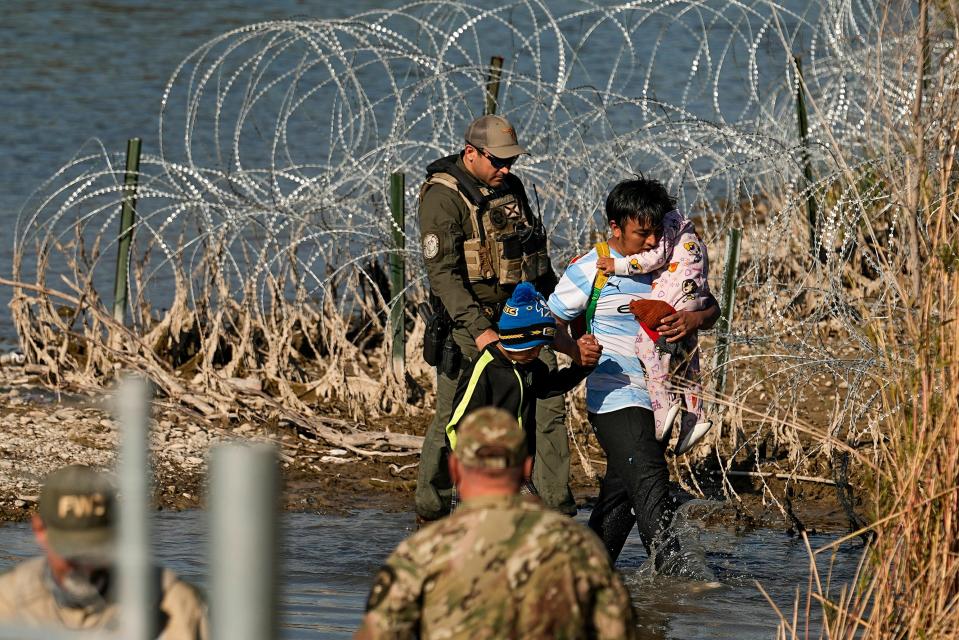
<point>584,352</point>
<point>442,237</point>
<point>680,324</point>
<point>393,608</point>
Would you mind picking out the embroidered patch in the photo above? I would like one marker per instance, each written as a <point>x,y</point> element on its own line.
<point>431,246</point>
<point>381,585</point>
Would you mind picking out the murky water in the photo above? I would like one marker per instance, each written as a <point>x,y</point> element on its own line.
<point>330,560</point>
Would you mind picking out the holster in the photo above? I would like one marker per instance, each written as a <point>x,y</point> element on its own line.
<point>438,330</point>
<point>439,348</point>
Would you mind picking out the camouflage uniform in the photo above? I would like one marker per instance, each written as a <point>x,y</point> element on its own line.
<point>26,598</point>
<point>445,220</point>
<point>77,509</point>
<point>499,566</point>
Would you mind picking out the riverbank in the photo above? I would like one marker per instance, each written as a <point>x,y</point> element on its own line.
<point>41,430</point>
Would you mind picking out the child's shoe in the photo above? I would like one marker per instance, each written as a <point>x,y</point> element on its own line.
<point>690,433</point>
<point>664,419</point>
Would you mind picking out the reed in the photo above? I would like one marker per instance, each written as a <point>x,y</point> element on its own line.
<point>908,584</point>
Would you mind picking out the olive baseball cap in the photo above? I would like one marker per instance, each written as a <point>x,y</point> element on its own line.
<point>78,506</point>
<point>490,438</point>
<point>495,135</point>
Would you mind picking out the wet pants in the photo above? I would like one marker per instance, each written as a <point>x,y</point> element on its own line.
<point>636,486</point>
<point>550,464</point>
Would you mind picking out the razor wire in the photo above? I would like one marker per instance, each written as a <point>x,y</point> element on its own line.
<point>276,141</point>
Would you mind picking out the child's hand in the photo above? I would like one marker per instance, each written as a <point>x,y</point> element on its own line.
<point>606,265</point>
<point>589,350</point>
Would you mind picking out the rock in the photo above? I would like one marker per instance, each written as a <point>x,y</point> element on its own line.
<point>194,460</point>
<point>337,452</point>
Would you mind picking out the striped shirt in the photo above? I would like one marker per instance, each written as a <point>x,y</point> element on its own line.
<point>618,381</point>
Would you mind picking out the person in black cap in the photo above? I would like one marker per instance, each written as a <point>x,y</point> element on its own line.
<point>480,239</point>
<point>508,373</point>
<point>71,585</point>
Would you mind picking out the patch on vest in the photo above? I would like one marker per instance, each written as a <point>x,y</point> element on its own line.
<point>431,246</point>
<point>381,586</point>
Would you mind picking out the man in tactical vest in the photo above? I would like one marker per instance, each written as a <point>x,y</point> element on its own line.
<point>480,239</point>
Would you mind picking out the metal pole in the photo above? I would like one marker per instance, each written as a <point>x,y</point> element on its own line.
<point>727,302</point>
<point>243,539</point>
<point>137,578</point>
<point>492,84</point>
<point>812,209</point>
<point>127,216</point>
<point>398,274</point>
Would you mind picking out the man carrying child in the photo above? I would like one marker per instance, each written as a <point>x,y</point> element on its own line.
<point>635,487</point>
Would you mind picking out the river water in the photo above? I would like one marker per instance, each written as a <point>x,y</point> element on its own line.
<point>329,561</point>
<point>78,74</point>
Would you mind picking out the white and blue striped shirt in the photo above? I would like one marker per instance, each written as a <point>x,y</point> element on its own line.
<point>618,381</point>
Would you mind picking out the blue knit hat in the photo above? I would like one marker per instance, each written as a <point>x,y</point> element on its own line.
<point>526,321</point>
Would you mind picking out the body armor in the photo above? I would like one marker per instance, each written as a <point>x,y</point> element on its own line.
<point>506,245</point>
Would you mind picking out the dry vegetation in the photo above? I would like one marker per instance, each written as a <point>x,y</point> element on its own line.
<point>845,337</point>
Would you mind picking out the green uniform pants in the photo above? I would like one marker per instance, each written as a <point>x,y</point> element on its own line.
<point>550,465</point>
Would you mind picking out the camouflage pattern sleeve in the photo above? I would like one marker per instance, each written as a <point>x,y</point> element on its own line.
<point>393,606</point>
<point>442,214</point>
<point>613,614</point>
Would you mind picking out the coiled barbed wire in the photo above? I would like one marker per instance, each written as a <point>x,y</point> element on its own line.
<point>267,202</point>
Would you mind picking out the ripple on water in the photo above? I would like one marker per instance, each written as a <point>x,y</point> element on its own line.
<point>329,561</point>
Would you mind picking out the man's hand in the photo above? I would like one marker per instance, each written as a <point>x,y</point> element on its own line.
<point>487,337</point>
<point>589,350</point>
<point>677,326</point>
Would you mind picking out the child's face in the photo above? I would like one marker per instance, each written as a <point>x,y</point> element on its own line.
<point>525,356</point>
<point>636,236</point>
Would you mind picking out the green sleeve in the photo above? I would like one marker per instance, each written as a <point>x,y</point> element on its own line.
<point>442,233</point>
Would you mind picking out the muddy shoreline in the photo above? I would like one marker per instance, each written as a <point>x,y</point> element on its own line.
<point>41,430</point>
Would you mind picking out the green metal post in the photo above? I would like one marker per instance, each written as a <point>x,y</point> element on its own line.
<point>127,217</point>
<point>727,302</point>
<point>492,84</point>
<point>812,210</point>
<point>398,272</point>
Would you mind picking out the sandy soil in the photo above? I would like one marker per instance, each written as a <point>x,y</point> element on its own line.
<point>41,430</point>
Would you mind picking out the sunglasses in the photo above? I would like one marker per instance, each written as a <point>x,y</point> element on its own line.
<point>498,163</point>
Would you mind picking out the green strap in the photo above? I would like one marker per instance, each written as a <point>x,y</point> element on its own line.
<point>485,358</point>
<point>599,281</point>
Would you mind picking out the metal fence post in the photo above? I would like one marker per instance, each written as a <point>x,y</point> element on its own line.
<point>244,534</point>
<point>398,273</point>
<point>492,84</point>
<point>127,215</point>
<point>812,209</point>
<point>137,581</point>
<point>727,302</point>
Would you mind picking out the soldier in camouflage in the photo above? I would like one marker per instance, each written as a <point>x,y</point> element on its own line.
<point>501,566</point>
<point>72,586</point>
<point>479,240</point>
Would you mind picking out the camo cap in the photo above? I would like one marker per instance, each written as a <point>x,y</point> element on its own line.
<point>496,135</point>
<point>490,438</point>
<point>77,506</point>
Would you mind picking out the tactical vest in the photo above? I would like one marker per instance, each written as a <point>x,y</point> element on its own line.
<point>504,245</point>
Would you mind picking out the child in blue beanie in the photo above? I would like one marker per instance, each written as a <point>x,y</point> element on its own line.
<point>508,374</point>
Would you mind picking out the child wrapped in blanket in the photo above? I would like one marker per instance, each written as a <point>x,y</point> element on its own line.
<point>680,268</point>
